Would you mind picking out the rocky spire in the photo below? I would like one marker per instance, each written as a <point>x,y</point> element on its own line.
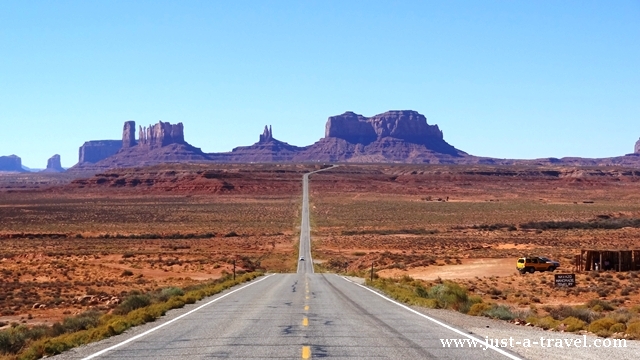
<point>161,134</point>
<point>129,134</point>
<point>637,147</point>
<point>267,135</point>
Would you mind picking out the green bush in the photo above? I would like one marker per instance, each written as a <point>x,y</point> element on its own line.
<point>573,324</point>
<point>582,313</point>
<point>618,327</point>
<point>167,293</point>
<point>450,295</point>
<point>547,322</point>
<point>604,305</point>
<point>131,303</point>
<point>479,309</point>
<point>500,312</point>
<point>601,324</point>
<point>633,330</point>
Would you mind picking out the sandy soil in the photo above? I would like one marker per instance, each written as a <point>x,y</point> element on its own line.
<point>469,269</point>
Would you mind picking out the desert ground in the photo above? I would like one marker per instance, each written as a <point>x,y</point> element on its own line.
<point>86,241</point>
<point>471,223</point>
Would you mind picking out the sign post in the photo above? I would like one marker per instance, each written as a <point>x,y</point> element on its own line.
<point>565,280</point>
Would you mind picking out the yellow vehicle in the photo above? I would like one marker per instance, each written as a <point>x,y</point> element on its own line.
<point>534,263</point>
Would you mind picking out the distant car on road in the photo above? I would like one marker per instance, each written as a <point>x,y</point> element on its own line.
<point>532,264</point>
<point>302,258</point>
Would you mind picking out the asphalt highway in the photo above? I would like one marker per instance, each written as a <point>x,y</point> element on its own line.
<point>292,316</point>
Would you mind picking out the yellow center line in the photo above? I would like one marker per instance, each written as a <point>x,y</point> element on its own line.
<point>306,352</point>
<point>307,297</point>
<point>306,308</point>
<point>305,321</point>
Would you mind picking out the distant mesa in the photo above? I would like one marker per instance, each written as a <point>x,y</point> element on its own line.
<point>11,163</point>
<point>93,151</point>
<point>407,126</point>
<point>636,149</point>
<point>54,164</point>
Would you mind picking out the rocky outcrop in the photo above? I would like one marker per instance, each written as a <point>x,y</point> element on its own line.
<point>129,134</point>
<point>266,150</point>
<point>11,163</point>
<point>636,149</point>
<point>54,164</point>
<point>161,134</point>
<point>97,150</point>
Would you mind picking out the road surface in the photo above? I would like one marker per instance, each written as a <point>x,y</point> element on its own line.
<point>291,316</point>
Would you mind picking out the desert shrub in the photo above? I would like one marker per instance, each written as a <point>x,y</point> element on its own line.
<point>479,309</point>
<point>573,324</point>
<point>621,316</point>
<point>601,325</point>
<point>500,312</point>
<point>611,223</point>
<point>618,327</point>
<point>450,295</point>
<point>84,321</point>
<point>582,313</point>
<point>127,255</point>
<point>421,291</point>
<point>633,330</point>
<point>547,322</point>
<point>166,293</point>
<point>12,340</point>
<point>604,305</point>
<point>626,291</point>
<point>127,273</point>
<point>131,303</point>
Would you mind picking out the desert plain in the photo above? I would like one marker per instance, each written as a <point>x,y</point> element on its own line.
<point>74,243</point>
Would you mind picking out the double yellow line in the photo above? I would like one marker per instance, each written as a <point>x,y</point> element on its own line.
<point>306,350</point>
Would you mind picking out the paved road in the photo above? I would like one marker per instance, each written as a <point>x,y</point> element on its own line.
<point>291,316</point>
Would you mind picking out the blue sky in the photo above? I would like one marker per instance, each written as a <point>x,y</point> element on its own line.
<point>507,79</point>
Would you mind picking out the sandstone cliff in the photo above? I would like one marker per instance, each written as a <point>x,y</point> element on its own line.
<point>636,149</point>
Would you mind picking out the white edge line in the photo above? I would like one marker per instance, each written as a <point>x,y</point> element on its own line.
<point>511,356</point>
<point>170,321</point>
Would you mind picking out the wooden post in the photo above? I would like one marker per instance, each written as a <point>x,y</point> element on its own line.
<point>372,272</point>
<point>600,267</point>
<point>619,260</point>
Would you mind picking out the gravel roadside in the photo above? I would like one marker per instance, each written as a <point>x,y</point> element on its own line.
<point>483,327</point>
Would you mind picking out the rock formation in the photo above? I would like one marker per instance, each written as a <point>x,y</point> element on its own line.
<point>54,164</point>
<point>161,134</point>
<point>267,135</point>
<point>266,150</point>
<point>11,163</point>
<point>637,147</point>
<point>129,134</point>
<point>159,143</point>
<point>406,125</point>
<point>94,151</point>
<point>394,136</point>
